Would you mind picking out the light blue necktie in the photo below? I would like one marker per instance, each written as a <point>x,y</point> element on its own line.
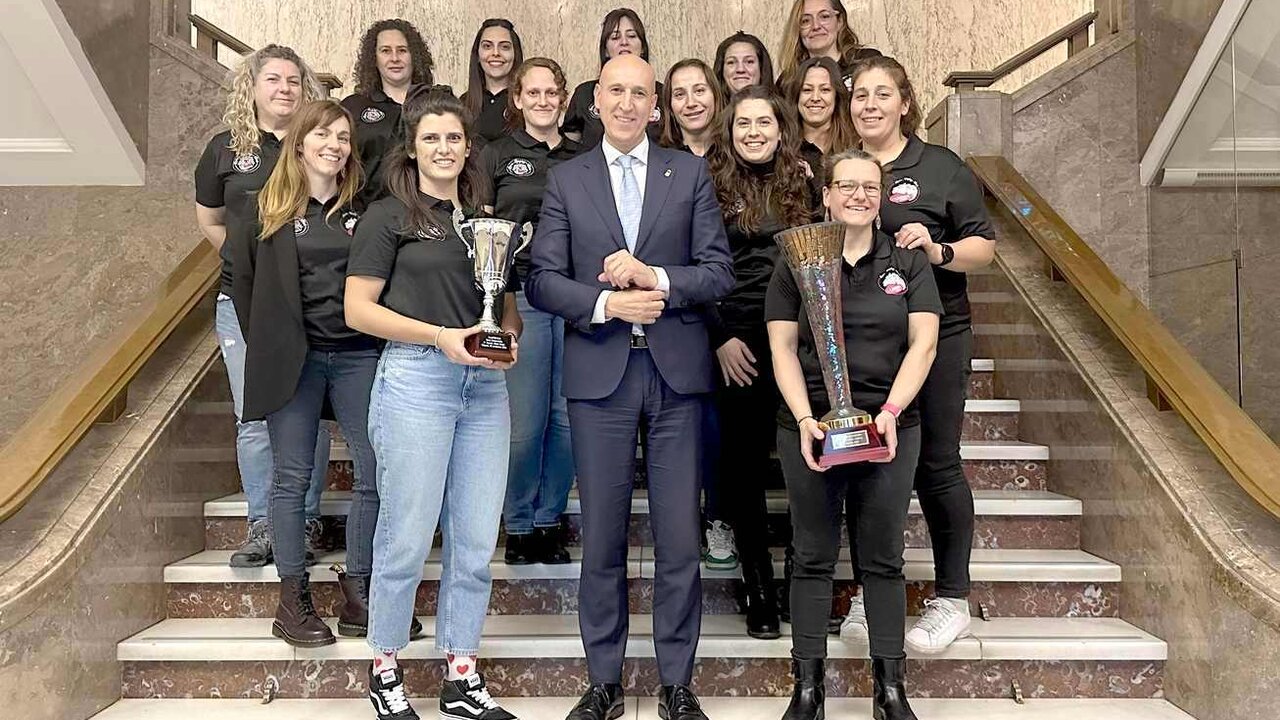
<point>632,204</point>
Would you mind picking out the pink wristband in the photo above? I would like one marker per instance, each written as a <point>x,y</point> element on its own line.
<point>892,409</point>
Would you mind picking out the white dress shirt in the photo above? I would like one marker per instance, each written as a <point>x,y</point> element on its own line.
<point>639,167</point>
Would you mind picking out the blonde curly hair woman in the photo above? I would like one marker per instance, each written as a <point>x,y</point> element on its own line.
<point>265,91</point>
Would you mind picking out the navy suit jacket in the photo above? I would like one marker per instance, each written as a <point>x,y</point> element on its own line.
<point>681,231</point>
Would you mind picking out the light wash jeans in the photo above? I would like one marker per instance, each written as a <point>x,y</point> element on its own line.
<point>541,472</point>
<point>253,444</point>
<point>441,435</point>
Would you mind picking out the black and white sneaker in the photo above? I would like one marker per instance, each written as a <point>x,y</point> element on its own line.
<point>386,692</point>
<point>468,699</point>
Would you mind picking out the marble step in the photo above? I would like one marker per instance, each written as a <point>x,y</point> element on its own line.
<point>542,655</point>
<point>1048,583</point>
<point>646,708</point>
<point>1005,519</point>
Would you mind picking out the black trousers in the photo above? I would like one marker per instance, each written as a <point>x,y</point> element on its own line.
<point>879,495</point>
<point>604,452</point>
<point>945,497</point>
<point>747,422</point>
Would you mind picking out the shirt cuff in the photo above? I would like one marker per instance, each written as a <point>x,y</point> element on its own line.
<point>597,315</point>
<point>664,282</point>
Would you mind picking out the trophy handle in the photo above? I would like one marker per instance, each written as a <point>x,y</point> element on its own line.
<point>526,237</point>
<point>463,229</point>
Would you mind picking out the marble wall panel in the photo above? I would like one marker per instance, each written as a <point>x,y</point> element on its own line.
<point>1169,35</point>
<point>1198,305</point>
<point>78,260</point>
<point>932,37</point>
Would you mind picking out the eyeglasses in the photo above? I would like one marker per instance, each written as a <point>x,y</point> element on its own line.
<point>848,187</point>
<point>826,17</point>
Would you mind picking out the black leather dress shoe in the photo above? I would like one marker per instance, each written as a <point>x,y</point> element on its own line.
<point>522,549</point>
<point>602,701</point>
<point>552,548</point>
<point>677,702</point>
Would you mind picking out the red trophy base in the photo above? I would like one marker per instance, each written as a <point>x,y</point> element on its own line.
<point>495,346</point>
<point>851,440</point>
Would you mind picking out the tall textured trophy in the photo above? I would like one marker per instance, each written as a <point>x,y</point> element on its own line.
<point>492,244</point>
<point>814,254</point>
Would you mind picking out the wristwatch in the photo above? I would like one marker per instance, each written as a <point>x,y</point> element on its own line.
<point>948,253</point>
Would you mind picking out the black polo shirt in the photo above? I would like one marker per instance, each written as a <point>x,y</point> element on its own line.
<point>324,245</point>
<point>491,122</point>
<point>584,117</point>
<point>931,185</point>
<point>430,274</point>
<point>377,129</point>
<point>876,295</point>
<point>226,180</point>
<point>517,165</point>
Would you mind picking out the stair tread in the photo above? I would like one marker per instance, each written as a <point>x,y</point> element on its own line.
<point>210,566</point>
<point>521,636</point>
<point>1020,503</point>
<point>555,708</point>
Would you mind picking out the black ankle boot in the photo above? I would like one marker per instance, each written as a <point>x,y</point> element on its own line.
<point>889,697</point>
<point>810,691</point>
<point>761,598</point>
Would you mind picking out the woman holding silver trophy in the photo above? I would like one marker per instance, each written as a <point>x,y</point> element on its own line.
<point>838,281</point>
<point>420,275</point>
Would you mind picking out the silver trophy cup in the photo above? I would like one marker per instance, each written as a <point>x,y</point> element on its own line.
<point>492,243</point>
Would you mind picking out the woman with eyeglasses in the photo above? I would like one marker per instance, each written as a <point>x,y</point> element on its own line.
<point>819,28</point>
<point>889,312</point>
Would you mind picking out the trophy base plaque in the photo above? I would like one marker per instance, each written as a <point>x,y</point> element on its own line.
<point>851,439</point>
<point>495,346</point>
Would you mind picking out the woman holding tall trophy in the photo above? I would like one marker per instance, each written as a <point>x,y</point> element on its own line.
<point>439,421</point>
<point>847,282</point>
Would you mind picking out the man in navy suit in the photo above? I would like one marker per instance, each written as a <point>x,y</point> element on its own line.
<point>630,246</point>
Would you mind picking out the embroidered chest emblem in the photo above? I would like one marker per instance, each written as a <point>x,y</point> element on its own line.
<point>593,111</point>
<point>372,115</point>
<point>892,282</point>
<point>904,191</point>
<point>349,220</point>
<point>246,164</point>
<point>656,115</point>
<point>520,167</point>
<point>432,232</point>
<point>300,226</point>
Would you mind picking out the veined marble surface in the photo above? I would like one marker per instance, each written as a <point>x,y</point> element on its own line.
<point>931,37</point>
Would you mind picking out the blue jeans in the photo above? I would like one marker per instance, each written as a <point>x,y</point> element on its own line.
<point>253,444</point>
<point>345,379</point>
<point>441,433</point>
<point>541,471</point>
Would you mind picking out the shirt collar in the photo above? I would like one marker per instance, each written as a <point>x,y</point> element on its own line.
<point>268,138</point>
<point>639,152</point>
<point>910,155</point>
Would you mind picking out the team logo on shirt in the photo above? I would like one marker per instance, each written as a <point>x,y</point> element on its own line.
<point>520,167</point>
<point>372,115</point>
<point>349,219</point>
<point>246,164</point>
<point>593,111</point>
<point>738,206</point>
<point>892,282</point>
<point>656,115</point>
<point>300,226</point>
<point>432,232</point>
<point>904,191</point>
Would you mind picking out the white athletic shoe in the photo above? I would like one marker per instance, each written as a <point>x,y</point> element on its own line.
<point>854,627</point>
<point>722,553</point>
<point>944,620</point>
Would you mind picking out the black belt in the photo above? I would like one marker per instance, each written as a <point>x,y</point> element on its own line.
<point>639,342</point>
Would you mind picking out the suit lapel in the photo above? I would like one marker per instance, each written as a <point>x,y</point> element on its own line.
<point>600,190</point>
<point>285,247</point>
<point>657,186</point>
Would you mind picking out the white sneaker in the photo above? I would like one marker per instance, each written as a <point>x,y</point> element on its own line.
<point>944,620</point>
<point>854,627</point>
<point>721,554</point>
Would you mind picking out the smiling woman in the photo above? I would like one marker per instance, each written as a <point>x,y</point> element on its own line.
<point>819,28</point>
<point>495,54</point>
<point>691,101</point>
<point>621,33</point>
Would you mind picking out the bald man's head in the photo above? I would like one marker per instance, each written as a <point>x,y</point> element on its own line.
<point>626,99</point>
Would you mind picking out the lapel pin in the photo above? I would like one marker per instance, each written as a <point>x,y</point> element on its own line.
<point>667,173</point>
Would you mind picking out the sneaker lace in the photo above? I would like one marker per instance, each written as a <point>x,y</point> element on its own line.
<point>720,539</point>
<point>394,698</point>
<point>259,530</point>
<point>480,695</point>
<point>937,614</point>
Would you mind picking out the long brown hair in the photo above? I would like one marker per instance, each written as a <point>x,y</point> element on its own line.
<point>792,51</point>
<point>474,96</point>
<point>910,122</point>
<point>744,195</point>
<point>672,133</point>
<point>611,23</point>
<point>763,61</point>
<point>843,134</point>
<point>515,118</point>
<point>402,168</point>
<point>366,73</point>
<point>288,190</point>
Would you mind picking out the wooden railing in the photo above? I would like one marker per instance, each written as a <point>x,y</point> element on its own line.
<point>210,37</point>
<point>1074,33</point>
<point>98,389</point>
<point>1175,380</point>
